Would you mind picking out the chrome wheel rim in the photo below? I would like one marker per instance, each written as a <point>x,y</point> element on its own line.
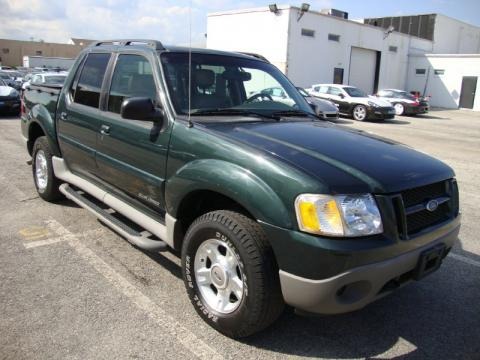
<point>41,170</point>
<point>218,276</point>
<point>398,109</point>
<point>360,113</point>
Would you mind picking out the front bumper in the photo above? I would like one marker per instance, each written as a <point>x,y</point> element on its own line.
<point>380,113</point>
<point>421,109</point>
<point>329,276</point>
<point>9,105</point>
<point>329,115</point>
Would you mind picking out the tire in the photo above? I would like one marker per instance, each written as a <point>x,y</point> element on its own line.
<point>359,112</point>
<point>399,109</point>
<point>253,276</point>
<point>43,177</point>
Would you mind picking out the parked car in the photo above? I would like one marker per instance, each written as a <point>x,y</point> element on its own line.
<point>403,102</point>
<point>9,99</point>
<point>49,78</point>
<point>325,109</point>
<point>266,204</point>
<point>9,78</point>
<point>354,102</point>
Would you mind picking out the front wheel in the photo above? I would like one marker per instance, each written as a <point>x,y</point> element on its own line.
<point>230,273</point>
<point>44,178</point>
<point>399,109</point>
<point>359,112</point>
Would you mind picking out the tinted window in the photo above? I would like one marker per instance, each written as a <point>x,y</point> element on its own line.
<point>355,92</point>
<point>385,93</point>
<point>91,78</point>
<point>55,79</point>
<point>132,77</point>
<point>334,91</point>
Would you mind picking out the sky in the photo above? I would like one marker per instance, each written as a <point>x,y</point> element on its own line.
<point>168,20</point>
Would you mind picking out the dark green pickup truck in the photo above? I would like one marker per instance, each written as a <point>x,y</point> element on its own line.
<point>268,204</point>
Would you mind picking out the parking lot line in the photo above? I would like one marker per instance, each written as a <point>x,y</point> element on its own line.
<point>464,259</point>
<point>171,326</point>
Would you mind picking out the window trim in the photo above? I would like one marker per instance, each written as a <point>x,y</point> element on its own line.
<point>102,87</point>
<point>111,70</point>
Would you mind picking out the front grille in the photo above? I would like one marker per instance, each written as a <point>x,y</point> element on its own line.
<point>424,193</point>
<point>411,207</point>
<point>424,218</point>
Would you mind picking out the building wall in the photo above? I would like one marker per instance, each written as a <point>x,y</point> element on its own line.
<point>12,51</point>
<point>309,60</point>
<point>250,30</point>
<point>452,36</point>
<point>444,89</point>
<point>312,60</point>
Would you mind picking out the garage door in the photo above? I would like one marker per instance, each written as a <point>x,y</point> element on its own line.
<point>362,69</point>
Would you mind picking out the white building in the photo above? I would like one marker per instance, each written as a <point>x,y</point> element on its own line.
<point>312,47</point>
<point>450,80</point>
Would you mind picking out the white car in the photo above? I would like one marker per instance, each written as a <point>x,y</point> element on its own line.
<point>354,102</point>
<point>46,78</point>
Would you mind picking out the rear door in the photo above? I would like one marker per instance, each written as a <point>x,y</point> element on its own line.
<point>78,116</point>
<point>131,154</point>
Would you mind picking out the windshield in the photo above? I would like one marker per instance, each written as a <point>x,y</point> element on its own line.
<point>56,79</point>
<point>404,95</point>
<point>354,92</point>
<point>220,83</point>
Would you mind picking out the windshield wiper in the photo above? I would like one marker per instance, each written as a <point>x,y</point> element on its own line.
<point>235,112</point>
<point>287,113</point>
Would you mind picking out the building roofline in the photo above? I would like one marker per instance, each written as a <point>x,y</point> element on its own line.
<point>446,55</point>
<point>427,14</point>
<point>290,7</point>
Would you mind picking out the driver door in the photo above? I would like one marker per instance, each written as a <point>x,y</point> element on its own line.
<point>338,97</point>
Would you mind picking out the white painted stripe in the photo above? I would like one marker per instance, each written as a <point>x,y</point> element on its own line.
<point>172,327</point>
<point>402,347</point>
<point>464,259</point>
<point>34,244</point>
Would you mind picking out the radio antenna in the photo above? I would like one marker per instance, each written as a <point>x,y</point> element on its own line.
<point>190,124</point>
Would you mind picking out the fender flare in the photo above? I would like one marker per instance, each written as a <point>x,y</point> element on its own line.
<point>231,180</point>
<point>41,116</point>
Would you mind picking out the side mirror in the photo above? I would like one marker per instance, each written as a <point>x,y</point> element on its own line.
<point>341,96</point>
<point>140,108</point>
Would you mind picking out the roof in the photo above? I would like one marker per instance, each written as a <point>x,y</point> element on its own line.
<point>338,85</point>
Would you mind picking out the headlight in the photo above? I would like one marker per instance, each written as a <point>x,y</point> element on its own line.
<point>372,104</point>
<point>339,215</point>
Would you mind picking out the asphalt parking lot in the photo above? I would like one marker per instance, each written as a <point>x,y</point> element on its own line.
<point>70,288</point>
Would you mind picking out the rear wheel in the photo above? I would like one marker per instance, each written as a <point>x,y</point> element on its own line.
<point>45,181</point>
<point>230,273</point>
<point>399,109</point>
<point>359,112</point>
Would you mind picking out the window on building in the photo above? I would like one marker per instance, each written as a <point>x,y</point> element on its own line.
<point>334,37</point>
<point>439,71</point>
<point>337,75</point>
<point>132,78</point>
<point>38,52</point>
<point>393,49</point>
<point>91,79</point>
<point>308,32</point>
<point>420,71</point>
<point>5,50</point>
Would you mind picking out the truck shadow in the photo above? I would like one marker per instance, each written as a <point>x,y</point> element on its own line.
<point>436,318</point>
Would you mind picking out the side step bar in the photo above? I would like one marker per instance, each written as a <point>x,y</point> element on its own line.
<point>133,236</point>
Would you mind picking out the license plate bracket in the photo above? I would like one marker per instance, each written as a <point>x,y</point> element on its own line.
<point>429,261</point>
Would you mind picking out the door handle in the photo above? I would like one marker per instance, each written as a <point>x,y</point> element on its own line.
<point>63,116</point>
<point>105,130</point>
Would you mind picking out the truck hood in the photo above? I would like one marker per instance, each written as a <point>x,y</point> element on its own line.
<point>343,159</point>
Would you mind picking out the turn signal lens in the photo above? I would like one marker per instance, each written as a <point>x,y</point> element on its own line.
<point>318,214</point>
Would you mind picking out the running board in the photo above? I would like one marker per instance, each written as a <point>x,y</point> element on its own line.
<point>133,236</point>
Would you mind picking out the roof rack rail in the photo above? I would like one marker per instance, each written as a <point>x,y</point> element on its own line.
<point>258,56</point>
<point>154,44</point>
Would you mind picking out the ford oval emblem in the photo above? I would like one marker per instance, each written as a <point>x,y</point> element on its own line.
<point>432,205</point>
